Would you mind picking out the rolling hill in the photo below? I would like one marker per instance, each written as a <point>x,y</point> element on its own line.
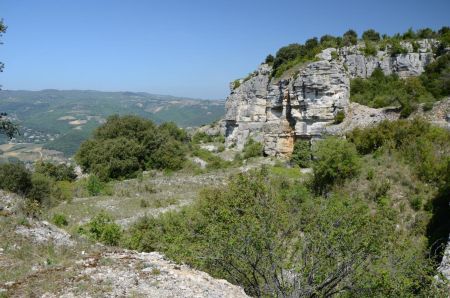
<point>62,119</point>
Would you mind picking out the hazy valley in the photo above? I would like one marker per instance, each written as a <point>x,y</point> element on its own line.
<point>61,120</point>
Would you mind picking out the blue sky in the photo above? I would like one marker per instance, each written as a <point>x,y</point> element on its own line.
<point>190,48</point>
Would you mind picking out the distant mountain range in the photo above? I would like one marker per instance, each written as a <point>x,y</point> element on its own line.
<point>62,119</point>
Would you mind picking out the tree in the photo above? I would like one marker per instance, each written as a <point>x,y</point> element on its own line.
<point>350,38</point>
<point>426,33</point>
<point>269,59</point>
<point>6,126</point>
<point>371,35</point>
<point>410,34</point>
<point>123,146</point>
<point>288,53</point>
<point>329,41</point>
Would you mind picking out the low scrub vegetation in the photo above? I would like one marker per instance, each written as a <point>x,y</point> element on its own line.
<point>46,187</point>
<point>366,219</point>
<point>302,154</point>
<point>252,149</point>
<point>102,228</point>
<point>381,90</point>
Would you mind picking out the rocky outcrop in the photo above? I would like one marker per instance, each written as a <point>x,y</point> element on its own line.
<point>444,267</point>
<point>133,274</point>
<point>405,65</point>
<point>304,103</point>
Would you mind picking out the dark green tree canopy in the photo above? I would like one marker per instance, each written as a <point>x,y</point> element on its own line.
<point>371,35</point>
<point>350,38</point>
<point>125,145</point>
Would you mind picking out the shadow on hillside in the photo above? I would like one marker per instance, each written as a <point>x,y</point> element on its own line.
<point>438,230</point>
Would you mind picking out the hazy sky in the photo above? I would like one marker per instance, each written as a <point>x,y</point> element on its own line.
<point>186,48</point>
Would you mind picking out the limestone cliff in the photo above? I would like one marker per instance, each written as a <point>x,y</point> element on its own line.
<point>304,101</point>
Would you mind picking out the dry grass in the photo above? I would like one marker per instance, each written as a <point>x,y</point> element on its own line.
<point>34,268</point>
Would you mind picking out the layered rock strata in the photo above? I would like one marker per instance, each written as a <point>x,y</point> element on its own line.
<point>304,102</point>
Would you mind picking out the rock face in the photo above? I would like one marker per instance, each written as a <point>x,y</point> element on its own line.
<point>276,112</point>
<point>444,267</point>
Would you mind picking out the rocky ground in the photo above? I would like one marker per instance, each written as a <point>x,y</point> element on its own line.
<point>38,259</point>
<point>362,116</point>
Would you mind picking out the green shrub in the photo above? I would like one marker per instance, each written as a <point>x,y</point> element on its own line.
<point>173,131</point>
<point>41,189</point>
<point>15,177</point>
<point>293,54</point>
<point>428,106</point>
<point>60,220</point>
<point>369,49</point>
<point>339,117</point>
<point>371,35</point>
<point>111,158</point>
<point>396,48</point>
<point>252,149</point>
<point>410,34</point>
<point>378,189</point>
<point>335,160</point>
<point>381,90</point>
<point>329,41</point>
<point>94,186</point>
<point>435,78</point>
<point>416,202</point>
<point>63,191</point>
<point>269,59</point>
<point>301,155</point>
<point>102,228</point>
<point>60,172</point>
<point>423,146</point>
<point>334,55</point>
<point>171,155</point>
<point>236,84</point>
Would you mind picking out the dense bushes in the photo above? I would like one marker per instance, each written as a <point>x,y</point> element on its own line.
<point>252,149</point>
<point>125,145</point>
<point>436,77</point>
<point>102,228</point>
<point>301,155</point>
<point>381,90</point>
<point>425,147</point>
<point>371,35</point>
<point>15,177</point>
<point>336,160</point>
<point>59,172</point>
<point>47,186</point>
<point>258,231</point>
